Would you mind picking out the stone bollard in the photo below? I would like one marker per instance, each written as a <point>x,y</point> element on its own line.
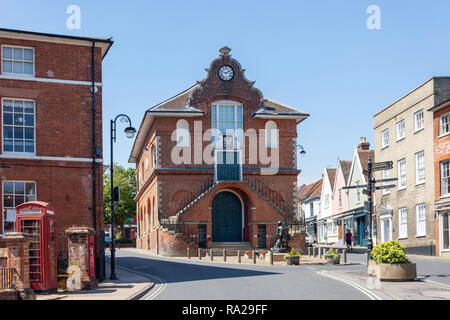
<point>254,257</point>
<point>271,257</point>
<point>314,251</point>
<point>344,255</point>
<point>239,256</point>
<point>224,255</point>
<point>188,254</point>
<point>320,253</point>
<point>211,254</point>
<point>199,254</point>
<point>309,251</point>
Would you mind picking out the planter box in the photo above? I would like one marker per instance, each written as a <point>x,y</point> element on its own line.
<point>293,261</point>
<point>393,272</point>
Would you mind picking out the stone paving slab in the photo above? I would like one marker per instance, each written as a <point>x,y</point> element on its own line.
<point>400,290</point>
<point>130,286</point>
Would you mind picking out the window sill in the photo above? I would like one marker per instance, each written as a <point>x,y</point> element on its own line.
<point>385,194</point>
<point>421,235</point>
<point>444,197</point>
<point>403,238</point>
<point>443,135</point>
<point>18,76</point>
<point>400,189</point>
<point>386,146</point>
<point>420,183</point>
<point>400,139</point>
<point>418,130</point>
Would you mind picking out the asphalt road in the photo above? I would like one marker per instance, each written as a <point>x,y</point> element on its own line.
<point>182,279</point>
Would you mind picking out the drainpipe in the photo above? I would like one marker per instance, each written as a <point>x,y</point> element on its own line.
<point>94,155</point>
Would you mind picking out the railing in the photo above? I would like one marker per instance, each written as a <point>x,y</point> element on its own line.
<point>265,191</point>
<point>198,190</point>
<point>7,278</point>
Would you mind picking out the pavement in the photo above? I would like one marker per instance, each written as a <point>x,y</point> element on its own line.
<point>130,286</point>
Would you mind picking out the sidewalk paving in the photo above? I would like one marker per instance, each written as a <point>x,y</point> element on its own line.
<point>404,290</point>
<point>130,286</point>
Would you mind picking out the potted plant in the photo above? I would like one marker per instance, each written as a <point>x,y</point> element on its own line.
<point>248,254</point>
<point>332,256</point>
<point>293,257</point>
<point>390,262</point>
<point>262,254</point>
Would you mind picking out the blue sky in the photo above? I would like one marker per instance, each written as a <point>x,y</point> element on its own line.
<point>317,56</point>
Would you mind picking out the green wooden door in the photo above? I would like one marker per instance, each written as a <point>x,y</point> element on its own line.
<point>228,168</point>
<point>226,218</point>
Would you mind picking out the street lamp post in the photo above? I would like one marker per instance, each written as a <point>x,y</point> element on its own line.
<point>130,131</point>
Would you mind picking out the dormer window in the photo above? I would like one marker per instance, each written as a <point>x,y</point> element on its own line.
<point>17,60</point>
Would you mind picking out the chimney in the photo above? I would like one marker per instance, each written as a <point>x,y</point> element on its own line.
<point>363,145</point>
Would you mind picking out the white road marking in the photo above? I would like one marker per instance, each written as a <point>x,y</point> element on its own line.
<point>161,288</point>
<point>367,292</point>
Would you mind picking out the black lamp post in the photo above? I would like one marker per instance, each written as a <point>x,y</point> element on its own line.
<point>302,152</point>
<point>130,131</point>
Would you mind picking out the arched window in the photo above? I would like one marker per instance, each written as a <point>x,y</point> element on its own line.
<point>271,134</point>
<point>183,136</point>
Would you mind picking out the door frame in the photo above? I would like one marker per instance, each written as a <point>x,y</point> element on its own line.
<point>239,158</point>
<point>383,219</point>
<point>242,210</point>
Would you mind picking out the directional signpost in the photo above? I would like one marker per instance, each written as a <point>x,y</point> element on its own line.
<point>369,188</point>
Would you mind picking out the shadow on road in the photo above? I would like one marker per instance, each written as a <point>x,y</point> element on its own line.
<point>173,271</point>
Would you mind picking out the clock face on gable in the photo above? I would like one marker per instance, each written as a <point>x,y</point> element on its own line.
<point>226,73</point>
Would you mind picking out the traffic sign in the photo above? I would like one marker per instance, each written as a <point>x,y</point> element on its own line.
<point>386,180</point>
<point>377,166</point>
<point>366,192</point>
<point>386,187</point>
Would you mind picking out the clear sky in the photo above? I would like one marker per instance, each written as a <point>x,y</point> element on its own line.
<point>317,56</point>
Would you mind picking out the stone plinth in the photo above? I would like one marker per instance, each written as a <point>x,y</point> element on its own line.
<point>78,269</point>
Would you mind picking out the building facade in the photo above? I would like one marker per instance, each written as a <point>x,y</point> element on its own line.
<point>404,135</point>
<point>340,196</point>
<point>441,141</point>
<point>309,201</point>
<point>51,137</point>
<point>326,226</point>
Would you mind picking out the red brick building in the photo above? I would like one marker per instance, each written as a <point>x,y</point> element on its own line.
<point>441,147</point>
<point>216,165</point>
<point>49,150</point>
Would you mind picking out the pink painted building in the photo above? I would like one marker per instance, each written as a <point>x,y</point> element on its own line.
<point>340,196</point>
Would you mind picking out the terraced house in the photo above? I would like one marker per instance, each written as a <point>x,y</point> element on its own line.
<point>216,165</point>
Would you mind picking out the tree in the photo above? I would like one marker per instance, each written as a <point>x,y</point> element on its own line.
<point>126,208</point>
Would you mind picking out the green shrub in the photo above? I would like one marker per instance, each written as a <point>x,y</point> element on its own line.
<point>389,252</point>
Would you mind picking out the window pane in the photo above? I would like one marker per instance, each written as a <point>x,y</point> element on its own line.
<point>7,66</point>
<point>8,118</point>
<point>28,55</point>
<point>18,133</point>
<point>7,53</point>
<point>8,145</point>
<point>7,132</point>
<point>29,146</point>
<point>19,187</point>
<point>18,106</point>
<point>18,119</point>
<point>17,67</point>
<point>29,107</point>
<point>29,120</point>
<point>30,188</point>
<point>19,200</point>
<point>8,202</point>
<point>17,53</point>
<point>18,146</point>
<point>29,133</point>
<point>8,105</point>
<point>8,187</point>
<point>28,68</point>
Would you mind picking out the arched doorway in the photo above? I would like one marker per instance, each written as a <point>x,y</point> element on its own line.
<point>226,218</point>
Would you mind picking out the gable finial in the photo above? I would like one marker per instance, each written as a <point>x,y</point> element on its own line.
<point>225,51</point>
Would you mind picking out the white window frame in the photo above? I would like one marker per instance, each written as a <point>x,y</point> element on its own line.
<point>442,228</point>
<point>386,174</point>
<point>444,178</point>
<point>401,173</point>
<point>23,61</point>
<point>385,138</point>
<point>13,126</point>
<point>327,201</point>
<point>238,136</point>
<point>402,223</point>
<point>421,220</point>
<point>358,192</point>
<point>14,195</point>
<point>444,126</point>
<point>401,130</point>
<point>420,166</point>
<point>419,124</point>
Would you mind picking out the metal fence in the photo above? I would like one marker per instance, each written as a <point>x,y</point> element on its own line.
<point>7,278</point>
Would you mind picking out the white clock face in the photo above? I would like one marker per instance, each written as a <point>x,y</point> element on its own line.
<point>226,73</point>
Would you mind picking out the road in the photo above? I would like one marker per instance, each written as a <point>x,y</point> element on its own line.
<point>182,279</point>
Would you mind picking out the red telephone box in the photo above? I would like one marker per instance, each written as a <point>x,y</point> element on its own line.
<point>38,220</point>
